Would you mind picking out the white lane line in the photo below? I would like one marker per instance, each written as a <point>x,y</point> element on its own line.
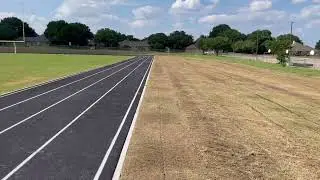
<point>2,109</point>
<point>66,127</point>
<point>117,172</point>
<point>104,161</point>
<point>62,100</point>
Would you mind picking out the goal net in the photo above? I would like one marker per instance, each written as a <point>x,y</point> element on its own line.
<point>14,44</point>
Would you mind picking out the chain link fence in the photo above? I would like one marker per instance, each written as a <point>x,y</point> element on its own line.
<point>301,61</point>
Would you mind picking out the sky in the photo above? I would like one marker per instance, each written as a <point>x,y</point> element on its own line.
<point>144,17</point>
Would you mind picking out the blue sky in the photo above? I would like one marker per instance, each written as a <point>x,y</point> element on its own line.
<point>196,17</point>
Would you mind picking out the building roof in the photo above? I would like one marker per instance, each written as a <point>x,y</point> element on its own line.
<point>300,47</point>
<point>134,43</point>
<point>191,47</point>
<point>41,38</point>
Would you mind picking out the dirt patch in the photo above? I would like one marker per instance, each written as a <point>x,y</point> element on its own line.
<point>26,80</point>
<point>214,120</point>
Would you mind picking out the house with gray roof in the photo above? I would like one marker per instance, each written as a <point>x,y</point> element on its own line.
<point>299,49</point>
<point>35,41</point>
<point>135,45</point>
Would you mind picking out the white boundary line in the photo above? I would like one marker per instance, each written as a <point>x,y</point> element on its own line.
<point>52,90</point>
<point>58,79</point>
<point>63,129</point>
<point>104,161</point>
<point>117,172</point>
<point>62,100</point>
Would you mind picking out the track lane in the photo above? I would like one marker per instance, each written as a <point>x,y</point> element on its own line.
<point>109,164</point>
<point>13,99</point>
<point>14,116</point>
<point>38,131</point>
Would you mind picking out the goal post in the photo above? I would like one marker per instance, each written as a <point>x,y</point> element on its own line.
<point>14,44</point>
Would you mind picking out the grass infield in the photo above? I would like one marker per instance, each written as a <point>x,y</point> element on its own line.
<point>22,70</point>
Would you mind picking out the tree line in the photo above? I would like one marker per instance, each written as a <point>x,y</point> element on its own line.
<point>220,38</point>
<point>224,38</point>
<point>77,34</point>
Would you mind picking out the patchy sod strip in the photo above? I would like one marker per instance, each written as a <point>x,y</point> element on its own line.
<point>21,70</point>
<point>221,120</point>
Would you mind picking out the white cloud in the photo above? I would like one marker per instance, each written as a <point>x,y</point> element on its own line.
<point>187,6</point>
<point>298,1</point>
<point>85,8</point>
<point>262,17</point>
<point>141,23</point>
<point>313,23</point>
<point>6,14</point>
<point>146,12</point>
<point>144,16</point>
<point>260,5</point>
<point>310,11</point>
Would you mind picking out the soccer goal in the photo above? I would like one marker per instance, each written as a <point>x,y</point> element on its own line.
<point>14,44</point>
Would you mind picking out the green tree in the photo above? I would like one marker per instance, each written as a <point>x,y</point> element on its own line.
<point>217,30</point>
<point>61,33</point>
<point>218,44</point>
<point>203,44</point>
<point>261,36</point>
<point>279,48</point>
<point>15,24</point>
<point>76,33</point>
<point>179,40</point>
<point>158,41</point>
<point>109,37</point>
<point>54,34</point>
<point>318,45</point>
<point>289,37</point>
<point>7,32</point>
<point>247,46</point>
<point>233,35</point>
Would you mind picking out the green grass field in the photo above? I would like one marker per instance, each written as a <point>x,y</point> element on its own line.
<point>259,64</point>
<point>21,70</point>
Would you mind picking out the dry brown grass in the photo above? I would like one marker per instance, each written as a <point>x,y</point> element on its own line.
<point>215,120</point>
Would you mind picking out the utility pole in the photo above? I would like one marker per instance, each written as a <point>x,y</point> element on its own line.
<point>257,48</point>
<point>291,42</point>
<point>23,32</point>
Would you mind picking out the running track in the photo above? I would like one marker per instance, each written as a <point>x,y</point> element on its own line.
<point>73,128</point>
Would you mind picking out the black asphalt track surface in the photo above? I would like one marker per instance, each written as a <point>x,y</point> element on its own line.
<point>63,129</point>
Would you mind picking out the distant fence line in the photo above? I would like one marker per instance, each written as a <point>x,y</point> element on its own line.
<point>314,60</point>
<point>82,50</point>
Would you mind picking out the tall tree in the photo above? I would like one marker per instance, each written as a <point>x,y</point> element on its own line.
<point>15,24</point>
<point>61,33</point>
<point>7,32</point>
<point>76,33</point>
<point>233,35</point>
<point>217,30</point>
<point>179,40</point>
<point>247,46</point>
<point>158,41</point>
<point>109,37</point>
<point>260,37</point>
<point>290,37</point>
<point>218,44</point>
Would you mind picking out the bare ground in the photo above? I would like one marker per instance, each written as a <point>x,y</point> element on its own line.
<point>215,120</point>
